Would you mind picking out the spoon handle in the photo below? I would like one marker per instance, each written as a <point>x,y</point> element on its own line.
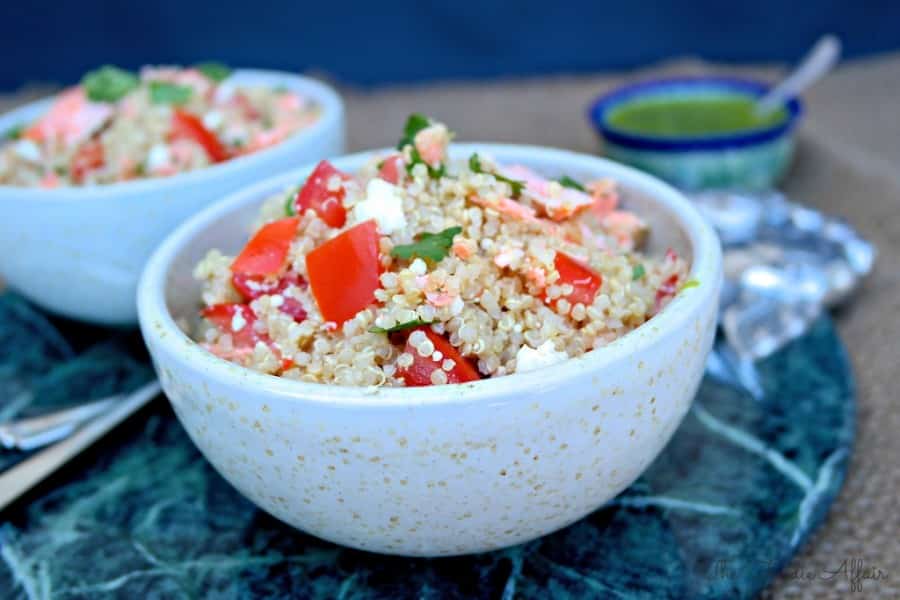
<point>820,59</point>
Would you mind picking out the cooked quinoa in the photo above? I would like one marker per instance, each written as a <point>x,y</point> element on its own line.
<point>116,126</point>
<point>420,270</point>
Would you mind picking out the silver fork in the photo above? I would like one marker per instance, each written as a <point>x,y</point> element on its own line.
<point>77,431</point>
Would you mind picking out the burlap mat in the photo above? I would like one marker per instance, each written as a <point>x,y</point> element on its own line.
<point>831,174</point>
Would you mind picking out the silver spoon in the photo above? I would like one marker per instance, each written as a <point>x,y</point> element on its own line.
<point>818,62</point>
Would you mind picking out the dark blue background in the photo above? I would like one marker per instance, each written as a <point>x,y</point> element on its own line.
<point>378,41</point>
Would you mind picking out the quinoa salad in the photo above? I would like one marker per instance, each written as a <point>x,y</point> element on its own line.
<point>117,126</point>
<point>420,270</point>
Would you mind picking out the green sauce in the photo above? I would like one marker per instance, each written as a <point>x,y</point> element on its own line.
<point>691,116</point>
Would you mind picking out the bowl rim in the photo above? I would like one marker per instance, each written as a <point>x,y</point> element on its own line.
<point>599,109</point>
<point>160,329</point>
<point>323,94</point>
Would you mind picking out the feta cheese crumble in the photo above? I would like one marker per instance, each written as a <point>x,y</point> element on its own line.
<point>530,359</point>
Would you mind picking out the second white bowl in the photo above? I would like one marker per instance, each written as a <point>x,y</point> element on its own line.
<point>78,251</point>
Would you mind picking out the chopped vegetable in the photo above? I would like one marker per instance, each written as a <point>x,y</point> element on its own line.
<point>400,327</point>
<point>289,209</point>
<point>163,92</point>
<point>87,158</point>
<point>343,272</point>
<point>214,70</point>
<point>293,308</point>
<point>188,126</point>
<point>266,252</point>
<point>475,167</point>
<point>236,320</point>
<point>637,272</point>
<point>316,195</point>
<point>433,172</point>
<point>15,133</point>
<point>433,246</point>
<point>389,168</point>
<point>690,283</point>
<point>568,182</point>
<point>668,288</point>
<point>108,84</point>
<point>419,372</point>
<point>252,286</point>
<point>584,281</point>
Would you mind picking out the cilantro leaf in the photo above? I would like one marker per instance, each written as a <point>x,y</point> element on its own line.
<point>108,83</point>
<point>690,283</point>
<point>433,246</point>
<point>214,70</point>
<point>14,133</point>
<point>415,123</point>
<point>516,185</point>
<point>568,182</point>
<point>289,209</point>
<point>637,272</point>
<point>162,92</point>
<point>400,326</point>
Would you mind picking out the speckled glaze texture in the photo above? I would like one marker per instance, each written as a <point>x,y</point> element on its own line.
<point>740,487</point>
<point>450,469</point>
<point>79,251</point>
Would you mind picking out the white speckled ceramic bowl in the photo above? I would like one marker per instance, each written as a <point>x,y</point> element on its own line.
<point>79,251</point>
<point>437,471</point>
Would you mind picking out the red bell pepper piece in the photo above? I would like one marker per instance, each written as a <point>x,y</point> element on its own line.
<point>188,126</point>
<point>391,168</point>
<point>266,252</point>
<point>419,372</point>
<point>584,281</point>
<point>315,195</point>
<point>89,157</point>
<point>343,272</point>
<point>668,289</point>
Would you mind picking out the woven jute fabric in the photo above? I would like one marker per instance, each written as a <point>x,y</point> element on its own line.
<point>848,165</point>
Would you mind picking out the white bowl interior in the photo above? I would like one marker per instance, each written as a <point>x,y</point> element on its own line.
<point>226,226</point>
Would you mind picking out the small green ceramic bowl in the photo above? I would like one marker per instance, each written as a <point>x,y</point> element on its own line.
<point>749,156</point>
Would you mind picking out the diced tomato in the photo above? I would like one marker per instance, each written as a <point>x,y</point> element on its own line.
<point>188,126</point>
<point>343,272</point>
<point>391,168</point>
<point>225,316</point>
<point>293,307</point>
<point>266,253</point>
<point>315,195</point>
<point>88,157</point>
<point>668,288</point>
<point>252,287</point>
<point>584,281</point>
<point>419,372</point>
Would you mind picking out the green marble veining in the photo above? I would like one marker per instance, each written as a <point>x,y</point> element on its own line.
<point>142,515</point>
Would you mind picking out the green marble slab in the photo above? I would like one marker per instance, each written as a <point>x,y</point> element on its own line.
<point>142,515</point>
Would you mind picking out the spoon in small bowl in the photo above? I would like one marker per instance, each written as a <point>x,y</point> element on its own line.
<point>818,61</point>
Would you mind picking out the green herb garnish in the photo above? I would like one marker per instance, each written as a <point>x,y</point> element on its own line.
<point>289,209</point>
<point>214,70</point>
<point>162,92</point>
<point>475,167</point>
<point>108,83</point>
<point>690,283</point>
<point>14,133</point>
<point>400,327</point>
<point>637,272</point>
<point>433,246</point>
<point>415,123</point>
<point>568,182</point>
